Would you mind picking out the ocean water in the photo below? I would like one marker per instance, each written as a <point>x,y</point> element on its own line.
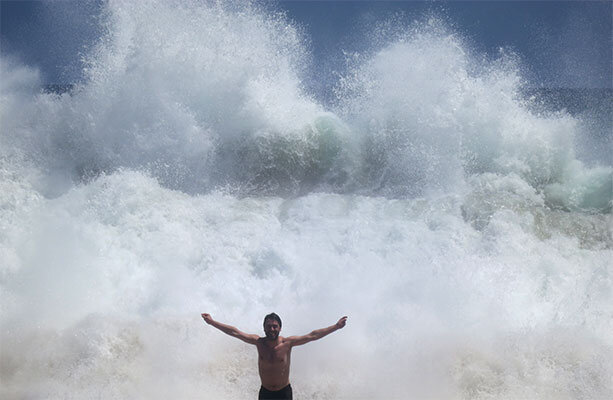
<point>460,220</point>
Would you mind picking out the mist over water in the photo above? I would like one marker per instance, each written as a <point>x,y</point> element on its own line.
<point>446,212</point>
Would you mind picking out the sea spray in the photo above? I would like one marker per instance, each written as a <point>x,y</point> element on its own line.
<point>189,172</point>
<point>430,117</point>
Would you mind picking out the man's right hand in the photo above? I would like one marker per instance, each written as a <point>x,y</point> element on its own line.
<point>207,318</point>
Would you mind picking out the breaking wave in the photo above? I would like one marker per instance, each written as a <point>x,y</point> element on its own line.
<point>190,170</point>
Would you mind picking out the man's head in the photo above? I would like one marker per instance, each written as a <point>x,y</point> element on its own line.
<point>272,326</point>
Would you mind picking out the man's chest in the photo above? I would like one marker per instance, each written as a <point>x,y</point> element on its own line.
<point>275,354</point>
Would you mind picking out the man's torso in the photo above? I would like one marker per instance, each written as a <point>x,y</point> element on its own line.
<point>273,363</point>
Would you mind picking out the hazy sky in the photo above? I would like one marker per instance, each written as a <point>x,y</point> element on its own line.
<point>562,43</point>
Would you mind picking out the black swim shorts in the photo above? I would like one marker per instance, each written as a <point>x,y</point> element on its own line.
<point>284,394</point>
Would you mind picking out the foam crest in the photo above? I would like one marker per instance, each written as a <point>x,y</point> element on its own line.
<point>208,95</point>
<point>169,86</point>
<point>431,113</point>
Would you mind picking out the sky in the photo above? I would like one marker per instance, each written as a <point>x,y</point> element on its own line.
<point>560,43</point>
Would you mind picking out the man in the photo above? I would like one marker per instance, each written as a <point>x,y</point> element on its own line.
<point>274,352</point>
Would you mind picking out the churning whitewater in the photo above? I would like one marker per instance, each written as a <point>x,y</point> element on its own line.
<point>190,171</point>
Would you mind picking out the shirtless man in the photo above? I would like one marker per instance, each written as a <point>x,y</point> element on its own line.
<point>274,352</point>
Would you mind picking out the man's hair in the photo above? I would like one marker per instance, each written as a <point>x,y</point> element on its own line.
<point>273,316</point>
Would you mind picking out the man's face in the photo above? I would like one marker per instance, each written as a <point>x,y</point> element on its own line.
<point>272,329</point>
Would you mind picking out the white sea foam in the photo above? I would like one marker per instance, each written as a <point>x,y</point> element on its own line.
<point>190,173</point>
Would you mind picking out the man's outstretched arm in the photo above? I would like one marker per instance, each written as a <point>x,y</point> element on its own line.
<point>230,330</point>
<point>317,334</point>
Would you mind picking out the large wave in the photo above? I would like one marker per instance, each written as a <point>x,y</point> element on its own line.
<point>204,97</point>
<point>191,171</point>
